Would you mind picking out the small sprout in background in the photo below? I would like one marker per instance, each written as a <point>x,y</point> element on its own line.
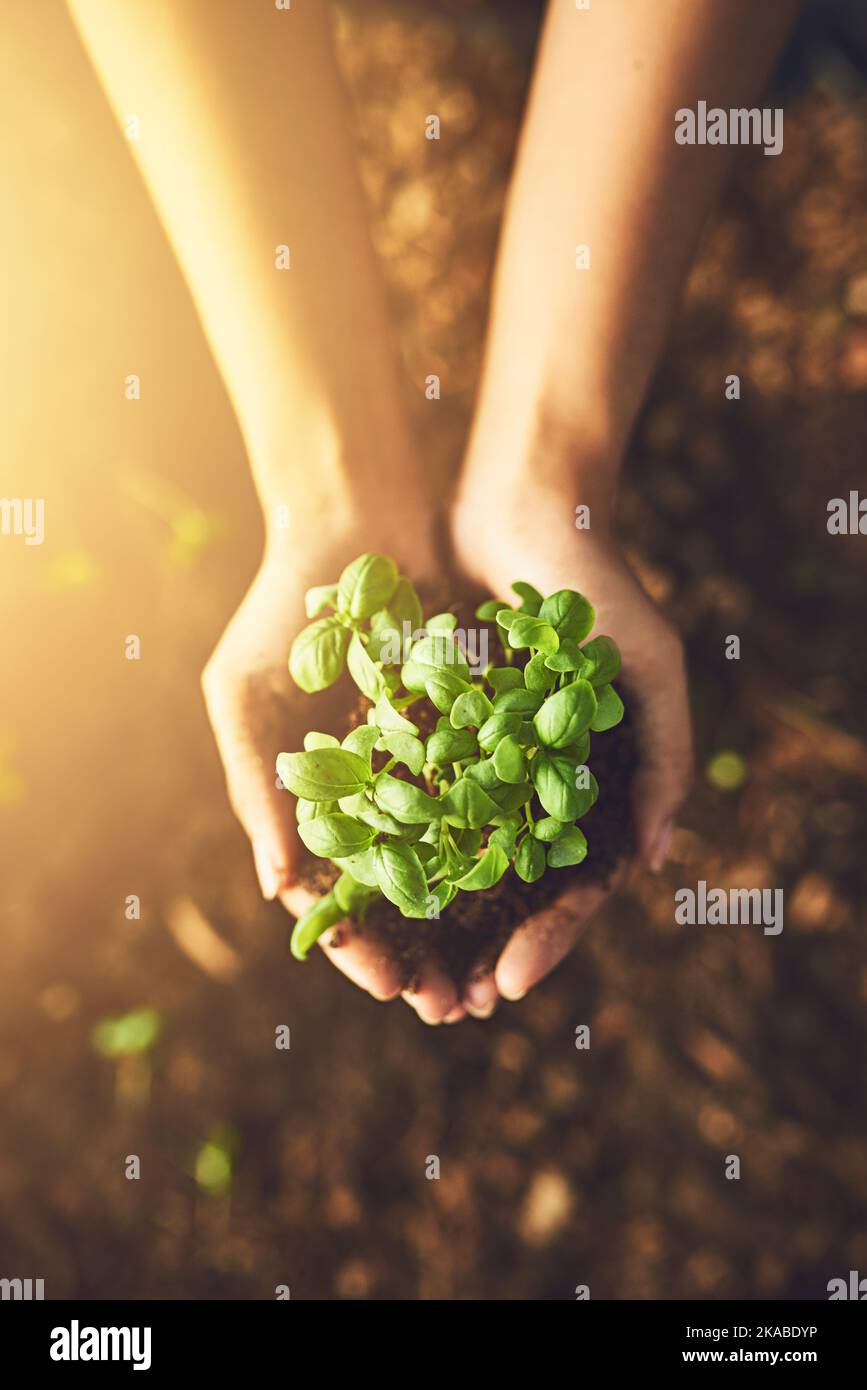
<point>191,529</point>
<point>727,771</point>
<point>499,782</point>
<point>131,1033</point>
<point>74,569</point>
<point>127,1040</point>
<point>215,1161</point>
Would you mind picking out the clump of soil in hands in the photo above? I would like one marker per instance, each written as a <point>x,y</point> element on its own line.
<point>472,932</point>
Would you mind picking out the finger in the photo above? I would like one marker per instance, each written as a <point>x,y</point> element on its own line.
<point>456,1014</point>
<point>665,771</point>
<point>544,939</point>
<point>432,993</point>
<point>480,991</point>
<point>359,952</point>
<point>245,728</point>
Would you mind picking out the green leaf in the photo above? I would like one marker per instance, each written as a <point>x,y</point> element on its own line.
<point>568,658</point>
<point>324,774</point>
<point>391,720</point>
<point>317,919</point>
<point>505,615</point>
<point>362,867</point>
<point>586,787</point>
<point>318,654</point>
<point>366,675</point>
<point>518,701</point>
<point>609,709</point>
<point>570,848</point>
<point>319,597</point>
<point>366,585</point>
<point>565,715</point>
<point>497,727</point>
<point>486,871</point>
<point>401,877</point>
<point>442,622</point>
<point>405,801</point>
<point>510,798</point>
<point>605,656</point>
<point>505,835</point>
<point>468,841</point>
<point>444,893</point>
<point>308,810</point>
<point>555,781</point>
<point>404,606</point>
<point>503,678</point>
<point>532,599</point>
<point>362,741</point>
<point>548,828</point>
<point>442,689</point>
<point>439,651</point>
<point>484,773</point>
<point>353,897</point>
<point>569,613</point>
<point>466,804</point>
<point>335,835</point>
<point>450,746</point>
<point>509,760</point>
<point>364,810</point>
<point>471,707</point>
<point>406,748</point>
<point>530,860</point>
<point>577,752</point>
<point>314,740</point>
<point>488,610</point>
<point>537,676</point>
<point>533,632</point>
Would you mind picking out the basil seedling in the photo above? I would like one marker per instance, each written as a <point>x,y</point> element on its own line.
<point>500,775</point>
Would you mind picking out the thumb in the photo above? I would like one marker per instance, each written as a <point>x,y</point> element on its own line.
<point>665,770</point>
<point>258,798</point>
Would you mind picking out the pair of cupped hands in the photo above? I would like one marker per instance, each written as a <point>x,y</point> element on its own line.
<point>526,533</point>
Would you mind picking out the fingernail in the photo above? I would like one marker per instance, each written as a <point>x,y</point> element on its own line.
<point>484,1012</point>
<point>660,847</point>
<point>513,998</point>
<point>271,879</point>
<point>481,993</point>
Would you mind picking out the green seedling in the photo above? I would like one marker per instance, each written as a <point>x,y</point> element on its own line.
<point>501,780</point>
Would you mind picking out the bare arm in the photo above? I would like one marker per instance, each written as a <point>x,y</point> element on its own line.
<point>599,166</point>
<point>246,145</point>
<point>571,352</point>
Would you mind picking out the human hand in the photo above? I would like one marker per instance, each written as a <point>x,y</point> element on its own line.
<point>256,710</point>
<point>530,535</point>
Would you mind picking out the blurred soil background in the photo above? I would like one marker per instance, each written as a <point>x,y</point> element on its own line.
<point>155,1037</point>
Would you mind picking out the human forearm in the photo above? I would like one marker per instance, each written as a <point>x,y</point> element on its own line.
<point>571,350</point>
<point>245,145</point>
